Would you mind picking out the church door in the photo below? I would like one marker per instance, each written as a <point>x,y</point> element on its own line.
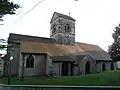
<point>103,67</point>
<point>87,67</point>
<point>65,69</point>
<point>112,66</point>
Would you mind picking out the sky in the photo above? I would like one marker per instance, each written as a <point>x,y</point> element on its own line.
<point>95,19</point>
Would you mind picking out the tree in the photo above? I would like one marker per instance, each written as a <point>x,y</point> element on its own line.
<point>114,49</point>
<point>8,44</point>
<point>7,7</point>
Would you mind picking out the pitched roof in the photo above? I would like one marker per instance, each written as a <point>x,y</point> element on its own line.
<point>47,45</point>
<point>56,15</point>
<point>99,55</point>
<point>80,57</point>
<point>95,51</point>
<point>13,36</point>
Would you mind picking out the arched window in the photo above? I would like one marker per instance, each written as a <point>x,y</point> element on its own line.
<point>30,62</point>
<point>112,66</point>
<point>87,67</point>
<point>103,67</point>
<point>67,28</point>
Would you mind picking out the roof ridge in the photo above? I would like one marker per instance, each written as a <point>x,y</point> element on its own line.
<point>65,15</point>
<point>86,43</point>
<point>62,15</point>
<point>29,35</point>
<point>14,36</point>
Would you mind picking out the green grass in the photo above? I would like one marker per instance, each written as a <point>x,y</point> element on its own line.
<point>104,79</point>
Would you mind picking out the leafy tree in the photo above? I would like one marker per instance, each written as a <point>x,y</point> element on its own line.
<point>114,49</point>
<point>2,44</point>
<point>7,7</point>
<point>6,45</point>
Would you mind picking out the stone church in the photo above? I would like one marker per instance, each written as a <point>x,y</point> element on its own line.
<point>58,55</point>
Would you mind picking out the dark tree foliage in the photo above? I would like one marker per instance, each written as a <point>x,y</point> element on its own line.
<point>114,49</point>
<point>10,44</point>
<point>7,7</point>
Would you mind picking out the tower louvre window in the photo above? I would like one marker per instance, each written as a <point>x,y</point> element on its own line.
<point>67,28</point>
<point>59,27</point>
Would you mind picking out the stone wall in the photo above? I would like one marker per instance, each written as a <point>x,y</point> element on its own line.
<point>82,64</point>
<point>57,68</point>
<point>15,53</point>
<point>48,66</point>
<point>39,66</point>
<point>99,65</point>
<point>58,32</point>
<point>76,71</point>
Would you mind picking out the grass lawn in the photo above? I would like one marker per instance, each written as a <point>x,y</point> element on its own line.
<point>105,79</point>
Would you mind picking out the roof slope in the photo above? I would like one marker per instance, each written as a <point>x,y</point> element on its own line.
<point>47,45</point>
<point>13,36</point>
<point>95,51</point>
<point>56,15</point>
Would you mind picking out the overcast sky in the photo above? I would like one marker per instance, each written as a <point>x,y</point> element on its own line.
<point>95,19</point>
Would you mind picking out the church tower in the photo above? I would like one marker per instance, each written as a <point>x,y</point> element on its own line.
<point>62,29</point>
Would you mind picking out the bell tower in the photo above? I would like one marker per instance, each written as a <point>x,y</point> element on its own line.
<point>62,29</point>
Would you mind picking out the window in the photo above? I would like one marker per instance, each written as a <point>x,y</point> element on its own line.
<point>30,62</point>
<point>67,28</point>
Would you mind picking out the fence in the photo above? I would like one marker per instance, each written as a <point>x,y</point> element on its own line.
<point>50,87</point>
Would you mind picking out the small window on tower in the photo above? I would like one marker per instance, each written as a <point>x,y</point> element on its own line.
<point>67,28</point>
<point>59,27</point>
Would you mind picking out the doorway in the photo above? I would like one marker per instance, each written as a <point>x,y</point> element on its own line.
<point>65,69</point>
<point>112,66</point>
<point>103,67</point>
<point>87,67</point>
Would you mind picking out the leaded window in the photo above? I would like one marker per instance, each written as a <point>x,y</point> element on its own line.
<point>30,62</point>
<point>67,28</point>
